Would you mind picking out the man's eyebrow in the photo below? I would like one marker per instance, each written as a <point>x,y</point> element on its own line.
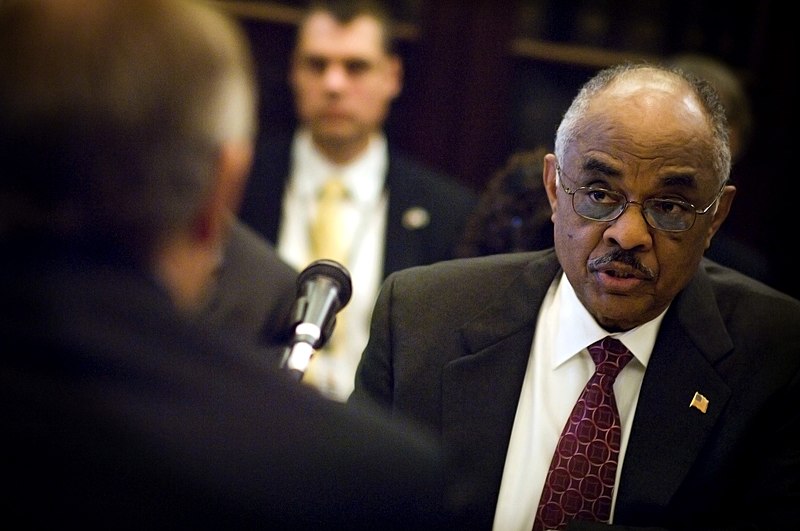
<point>677,178</point>
<point>594,165</point>
<point>685,179</point>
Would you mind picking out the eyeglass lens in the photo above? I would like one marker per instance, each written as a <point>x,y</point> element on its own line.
<point>605,205</point>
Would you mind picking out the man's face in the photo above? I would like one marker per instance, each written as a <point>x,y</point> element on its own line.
<point>343,81</point>
<point>643,141</point>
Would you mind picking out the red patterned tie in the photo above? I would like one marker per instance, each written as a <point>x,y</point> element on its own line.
<point>581,478</point>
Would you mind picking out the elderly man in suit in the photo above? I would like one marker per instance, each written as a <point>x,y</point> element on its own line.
<point>620,380</point>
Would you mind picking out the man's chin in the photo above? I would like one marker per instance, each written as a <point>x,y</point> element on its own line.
<point>619,312</point>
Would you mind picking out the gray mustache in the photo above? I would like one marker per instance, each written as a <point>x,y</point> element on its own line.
<point>621,256</point>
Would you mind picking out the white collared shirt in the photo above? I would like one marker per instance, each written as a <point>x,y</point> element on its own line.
<point>558,369</point>
<point>365,180</point>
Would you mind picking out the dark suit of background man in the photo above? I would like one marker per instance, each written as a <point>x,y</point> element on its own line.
<point>344,75</point>
<point>126,138</point>
<point>708,404</point>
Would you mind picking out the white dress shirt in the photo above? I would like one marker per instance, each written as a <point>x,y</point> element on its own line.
<point>334,372</point>
<point>558,369</point>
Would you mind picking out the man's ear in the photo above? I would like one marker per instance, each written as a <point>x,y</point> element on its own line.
<point>292,73</point>
<point>234,164</point>
<point>188,262</point>
<point>231,172</point>
<point>721,212</point>
<point>394,76</point>
<point>550,184</point>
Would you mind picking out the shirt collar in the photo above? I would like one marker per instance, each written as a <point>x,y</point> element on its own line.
<point>364,176</point>
<point>583,330</point>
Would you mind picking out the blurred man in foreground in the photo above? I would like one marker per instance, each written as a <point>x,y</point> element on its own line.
<point>126,137</point>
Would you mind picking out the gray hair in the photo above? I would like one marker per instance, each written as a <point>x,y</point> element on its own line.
<point>113,116</point>
<point>703,90</point>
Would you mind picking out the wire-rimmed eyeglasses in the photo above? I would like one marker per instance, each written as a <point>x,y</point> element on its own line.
<point>599,204</point>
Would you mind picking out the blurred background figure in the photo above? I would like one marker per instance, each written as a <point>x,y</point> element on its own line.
<point>731,91</point>
<point>726,248</point>
<point>513,213</point>
<point>344,75</point>
<point>127,135</point>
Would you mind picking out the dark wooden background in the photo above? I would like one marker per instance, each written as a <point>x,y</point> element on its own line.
<point>484,79</point>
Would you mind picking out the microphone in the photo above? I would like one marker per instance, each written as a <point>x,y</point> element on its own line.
<point>323,288</point>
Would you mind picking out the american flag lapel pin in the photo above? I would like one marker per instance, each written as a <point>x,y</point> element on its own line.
<point>700,402</point>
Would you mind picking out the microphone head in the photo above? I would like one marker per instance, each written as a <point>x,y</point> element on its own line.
<point>333,271</point>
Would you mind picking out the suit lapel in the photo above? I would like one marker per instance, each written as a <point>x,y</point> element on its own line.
<point>480,390</point>
<point>667,432</point>
<point>405,246</point>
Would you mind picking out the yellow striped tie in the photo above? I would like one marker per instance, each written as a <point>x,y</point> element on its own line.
<point>330,238</point>
<point>329,234</point>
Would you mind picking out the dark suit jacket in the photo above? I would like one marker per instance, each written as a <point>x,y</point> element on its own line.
<point>255,289</point>
<point>410,185</point>
<point>117,413</point>
<point>449,346</point>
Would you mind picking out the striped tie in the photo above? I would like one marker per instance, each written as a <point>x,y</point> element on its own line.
<point>330,237</point>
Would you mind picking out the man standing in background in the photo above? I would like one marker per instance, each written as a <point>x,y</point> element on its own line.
<point>395,213</point>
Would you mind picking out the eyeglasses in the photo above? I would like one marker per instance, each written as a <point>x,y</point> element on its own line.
<point>599,204</point>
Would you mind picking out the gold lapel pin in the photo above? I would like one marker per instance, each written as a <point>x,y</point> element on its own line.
<point>416,218</point>
<point>700,402</point>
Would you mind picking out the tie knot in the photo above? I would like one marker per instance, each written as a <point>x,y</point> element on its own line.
<point>610,355</point>
<point>333,189</point>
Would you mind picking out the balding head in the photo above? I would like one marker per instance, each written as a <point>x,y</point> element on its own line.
<point>127,131</point>
<point>647,93</point>
<point>113,112</point>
